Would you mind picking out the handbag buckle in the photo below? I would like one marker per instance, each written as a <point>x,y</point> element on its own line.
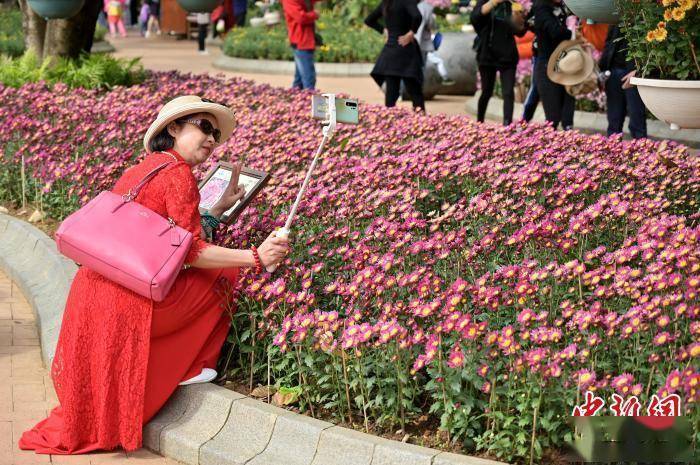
<point>171,222</point>
<point>128,197</point>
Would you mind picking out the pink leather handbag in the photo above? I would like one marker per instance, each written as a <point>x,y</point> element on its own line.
<point>126,242</point>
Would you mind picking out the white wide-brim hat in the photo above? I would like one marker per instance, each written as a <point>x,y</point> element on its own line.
<point>570,63</point>
<point>188,105</point>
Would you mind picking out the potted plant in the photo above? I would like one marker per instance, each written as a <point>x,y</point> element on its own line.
<point>664,41</point>
<point>272,14</point>
<point>56,9</point>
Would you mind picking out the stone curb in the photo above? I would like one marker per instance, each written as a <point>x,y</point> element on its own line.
<point>31,259</point>
<point>249,65</point>
<point>206,424</point>
<point>586,121</point>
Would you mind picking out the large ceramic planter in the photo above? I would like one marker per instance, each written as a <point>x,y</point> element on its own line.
<point>272,17</point>
<point>56,9</point>
<point>460,60</point>
<point>599,11</point>
<point>199,6</point>
<point>675,102</point>
<point>451,18</point>
<point>257,22</point>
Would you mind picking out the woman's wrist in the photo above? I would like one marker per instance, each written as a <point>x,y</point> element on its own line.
<point>215,212</point>
<point>257,263</point>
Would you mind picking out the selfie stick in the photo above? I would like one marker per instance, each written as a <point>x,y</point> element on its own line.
<point>328,129</point>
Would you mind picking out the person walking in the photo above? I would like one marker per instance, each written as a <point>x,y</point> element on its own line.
<point>496,23</point>
<point>153,18</point>
<point>622,99</point>
<point>202,26</point>
<point>115,10</point>
<point>425,37</point>
<point>400,58</point>
<point>120,355</point>
<point>301,17</point>
<point>550,29</point>
<point>144,14</point>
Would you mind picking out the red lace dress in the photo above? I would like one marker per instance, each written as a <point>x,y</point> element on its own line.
<point>119,355</point>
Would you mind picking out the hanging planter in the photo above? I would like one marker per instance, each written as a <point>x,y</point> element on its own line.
<point>598,11</point>
<point>56,9</point>
<point>675,102</point>
<point>199,6</point>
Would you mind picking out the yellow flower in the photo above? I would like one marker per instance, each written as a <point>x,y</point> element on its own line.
<point>668,15</point>
<point>660,34</point>
<point>686,4</point>
<point>678,13</point>
<point>667,2</point>
<point>650,36</point>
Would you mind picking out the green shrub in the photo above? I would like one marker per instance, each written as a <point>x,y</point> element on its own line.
<point>343,43</point>
<point>11,39</point>
<point>90,71</point>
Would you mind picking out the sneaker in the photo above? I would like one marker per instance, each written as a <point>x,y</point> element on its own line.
<point>204,52</point>
<point>447,82</point>
<point>148,34</point>
<point>205,376</point>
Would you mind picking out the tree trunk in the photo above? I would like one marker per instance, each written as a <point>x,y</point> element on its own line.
<point>69,37</point>
<point>34,27</point>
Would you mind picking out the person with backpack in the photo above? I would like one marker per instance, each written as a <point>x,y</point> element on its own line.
<point>497,23</point>
<point>115,10</point>
<point>301,21</point>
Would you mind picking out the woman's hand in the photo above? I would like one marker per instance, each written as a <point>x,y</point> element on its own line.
<point>386,35</point>
<point>273,250</point>
<point>406,39</point>
<point>233,193</point>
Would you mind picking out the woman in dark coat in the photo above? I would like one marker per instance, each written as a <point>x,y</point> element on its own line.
<point>495,25</point>
<point>400,58</point>
<point>550,29</point>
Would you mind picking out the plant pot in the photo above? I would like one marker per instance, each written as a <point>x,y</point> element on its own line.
<point>452,18</point>
<point>272,17</point>
<point>199,6</point>
<point>599,11</point>
<point>675,102</point>
<point>56,9</point>
<point>257,22</point>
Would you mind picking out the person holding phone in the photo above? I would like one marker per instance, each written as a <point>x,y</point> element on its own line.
<point>400,59</point>
<point>496,23</point>
<point>120,355</point>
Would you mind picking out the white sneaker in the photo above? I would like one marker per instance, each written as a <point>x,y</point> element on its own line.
<point>205,376</point>
<point>204,52</point>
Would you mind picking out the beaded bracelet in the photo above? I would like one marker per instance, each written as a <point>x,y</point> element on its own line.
<point>258,262</point>
<point>211,220</point>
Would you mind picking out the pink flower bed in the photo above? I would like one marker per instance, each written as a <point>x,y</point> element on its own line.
<point>464,271</point>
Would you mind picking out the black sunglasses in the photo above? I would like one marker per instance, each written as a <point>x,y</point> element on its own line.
<point>206,127</point>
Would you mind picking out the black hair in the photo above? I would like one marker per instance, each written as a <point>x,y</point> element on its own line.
<point>386,6</point>
<point>163,140</point>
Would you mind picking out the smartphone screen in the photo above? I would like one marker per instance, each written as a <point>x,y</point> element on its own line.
<point>346,110</point>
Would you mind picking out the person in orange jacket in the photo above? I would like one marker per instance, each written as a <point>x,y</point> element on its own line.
<point>301,20</point>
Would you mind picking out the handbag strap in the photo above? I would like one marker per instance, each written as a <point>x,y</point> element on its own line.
<point>133,192</point>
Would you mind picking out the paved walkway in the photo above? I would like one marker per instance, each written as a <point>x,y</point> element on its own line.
<point>165,53</point>
<point>27,394</point>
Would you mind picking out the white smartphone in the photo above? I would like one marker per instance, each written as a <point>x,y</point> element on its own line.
<point>346,110</point>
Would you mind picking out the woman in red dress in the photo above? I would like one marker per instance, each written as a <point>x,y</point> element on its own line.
<point>120,356</point>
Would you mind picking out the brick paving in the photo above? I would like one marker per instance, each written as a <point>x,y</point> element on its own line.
<point>26,390</point>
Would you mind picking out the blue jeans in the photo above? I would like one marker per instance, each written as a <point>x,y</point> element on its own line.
<point>304,69</point>
<point>624,102</point>
<point>533,97</point>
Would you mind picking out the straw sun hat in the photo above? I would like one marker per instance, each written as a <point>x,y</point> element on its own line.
<point>570,63</point>
<point>188,105</point>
